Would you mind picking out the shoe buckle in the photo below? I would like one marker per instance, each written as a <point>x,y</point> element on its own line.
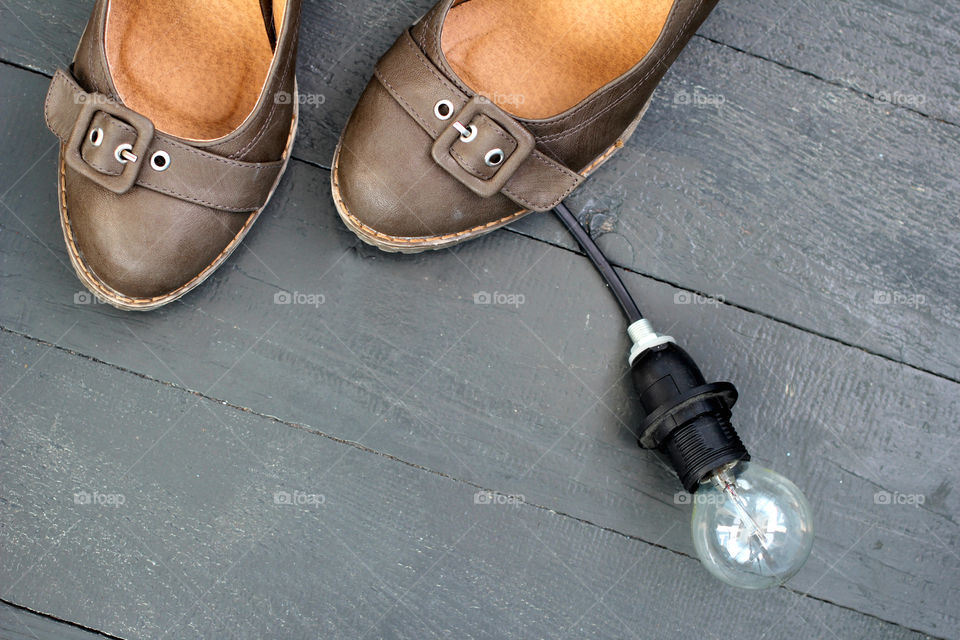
<point>463,128</point>
<point>128,155</point>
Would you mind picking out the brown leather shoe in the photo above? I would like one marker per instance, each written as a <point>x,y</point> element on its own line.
<point>176,121</point>
<point>486,110</point>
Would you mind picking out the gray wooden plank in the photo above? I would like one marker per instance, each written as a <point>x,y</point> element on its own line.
<point>742,201</point>
<point>900,52</point>
<point>157,512</point>
<point>41,35</point>
<point>339,43</point>
<point>904,53</point>
<point>825,210</point>
<point>18,624</point>
<point>400,359</point>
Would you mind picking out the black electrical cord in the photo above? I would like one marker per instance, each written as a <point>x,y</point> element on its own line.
<point>683,416</point>
<point>620,292</point>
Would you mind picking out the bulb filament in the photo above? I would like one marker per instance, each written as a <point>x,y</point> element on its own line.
<point>738,504</point>
<point>726,483</point>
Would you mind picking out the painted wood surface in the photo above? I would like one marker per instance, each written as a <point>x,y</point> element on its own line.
<point>819,222</point>
<point>806,201</point>
<point>18,624</point>
<point>166,515</point>
<point>392,352</point>
<point>897,52</point>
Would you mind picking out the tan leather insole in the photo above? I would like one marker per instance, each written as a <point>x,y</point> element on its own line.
<point>536,59</point>
<point>194,67</point>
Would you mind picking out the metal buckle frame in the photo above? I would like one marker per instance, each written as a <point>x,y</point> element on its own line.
<point>93,104</point>
<point>442,145</point>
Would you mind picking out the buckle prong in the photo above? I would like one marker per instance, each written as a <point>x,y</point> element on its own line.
<point>467,134</point>
<point>126,154</point>
<point>506,167</point>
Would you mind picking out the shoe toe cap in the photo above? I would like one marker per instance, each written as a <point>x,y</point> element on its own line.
<point>142,244</point>
<point>388,183</point>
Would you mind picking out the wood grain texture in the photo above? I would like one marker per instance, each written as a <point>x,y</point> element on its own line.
<point>896,51</point>
<point>41,36</point>
<point>392,352</point>
<point>17,624</point>
<point>339,43</point>
<point>803,201</point>
<point>163,515</point>
<point>792,198</point>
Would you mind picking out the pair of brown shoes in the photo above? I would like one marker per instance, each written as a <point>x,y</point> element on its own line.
<point>177,120</point>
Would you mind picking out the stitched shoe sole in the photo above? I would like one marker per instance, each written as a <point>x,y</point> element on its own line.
<point>113,297</point>
<point>401,244</point>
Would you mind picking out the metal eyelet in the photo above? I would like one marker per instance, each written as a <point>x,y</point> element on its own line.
<point>96,137</point>
<point>443,110</point>
<point>467,134</point>
<point>124,153</point>
<point>494,157</point>
<point>160,161</point>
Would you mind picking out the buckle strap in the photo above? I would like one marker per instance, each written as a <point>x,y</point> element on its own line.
<point>266,8</point>
<point>118,149</point>
<point>475,141</point>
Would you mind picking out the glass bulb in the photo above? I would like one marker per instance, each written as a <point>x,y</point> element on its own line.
<point>752,528</point>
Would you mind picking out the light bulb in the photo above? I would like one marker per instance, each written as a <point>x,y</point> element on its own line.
<point>752,528</point>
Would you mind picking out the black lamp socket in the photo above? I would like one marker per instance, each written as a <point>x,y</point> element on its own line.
<point>685,418</point>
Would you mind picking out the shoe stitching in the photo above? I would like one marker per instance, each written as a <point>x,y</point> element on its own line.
<point>410,240</point>
<point>178,146</point>
<point>286,66</point>
<point>110,171</point>
<point>110,294</point>
<point>411,43</point>
<point>429,65</point>
<point>628,93</point>
<point>424,240</point>
<point>409,107</point>
<point>101,286</point>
